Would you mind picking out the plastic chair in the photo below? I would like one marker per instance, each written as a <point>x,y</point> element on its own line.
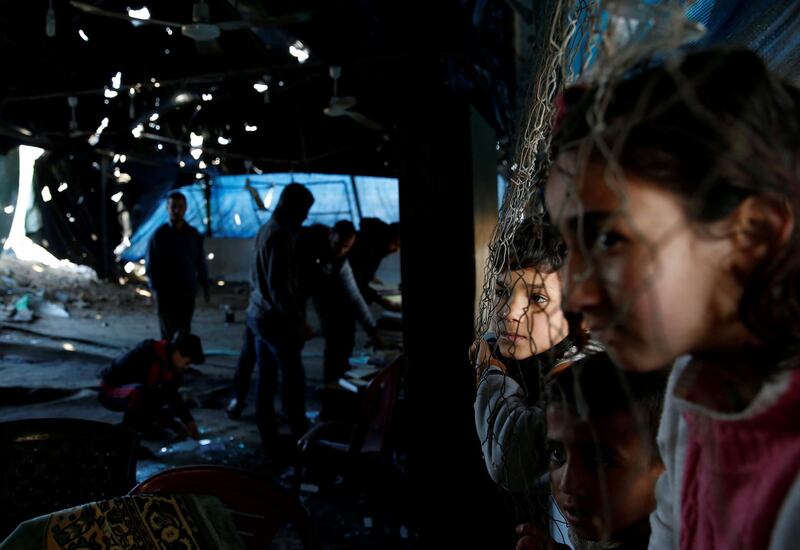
<point>369,437</point>
<point>258,506</point>
<point>50,464</point>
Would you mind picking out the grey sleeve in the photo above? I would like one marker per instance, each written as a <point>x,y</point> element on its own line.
<point>512,434</point>
<point>355,298</point>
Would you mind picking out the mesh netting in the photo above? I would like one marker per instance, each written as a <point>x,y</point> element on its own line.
<point>594,44</point>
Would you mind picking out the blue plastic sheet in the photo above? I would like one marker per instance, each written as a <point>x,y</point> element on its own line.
<point>241,204</point>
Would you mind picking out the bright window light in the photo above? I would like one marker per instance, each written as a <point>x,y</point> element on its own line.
<point>116,197</point>
<point>63,187</point>
<point>195,140</point>
<point>268,198</point>
<point>260,87</point>
<point>142,13</point>
<point>83,35</point>
<point>116,81</point>
<point>249,128</point>
<point>196,153</point>
<point>17,241</point>
<point>46,195</point>
<point>299,51</point>
<point>223,140</point>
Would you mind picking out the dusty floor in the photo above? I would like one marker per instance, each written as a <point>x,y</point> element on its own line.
<point>48,368</point>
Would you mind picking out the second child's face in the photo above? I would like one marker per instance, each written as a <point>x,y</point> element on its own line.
<point>602,475</point>
<point>530,319</point>
<point>650,285</point>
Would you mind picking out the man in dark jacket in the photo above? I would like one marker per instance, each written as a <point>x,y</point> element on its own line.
<point>176,263</point>
<point>276,316</point>
<point>376,240</point>
<point>144,383</point>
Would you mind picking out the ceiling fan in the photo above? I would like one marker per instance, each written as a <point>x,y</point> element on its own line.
<point>200,29</point>
<point>341,106</point>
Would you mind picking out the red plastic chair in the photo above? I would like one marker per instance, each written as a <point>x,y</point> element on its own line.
<point>370,436</point>
<point>259,508</point>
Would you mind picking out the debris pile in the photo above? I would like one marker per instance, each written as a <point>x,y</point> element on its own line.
<point>30,290</point>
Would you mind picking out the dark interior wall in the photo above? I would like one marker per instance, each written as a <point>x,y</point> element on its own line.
<point>447,172</point>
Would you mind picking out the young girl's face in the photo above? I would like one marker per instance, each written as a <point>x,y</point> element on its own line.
<point>530,319</point>
<point>651,286</point>
<point>602,475</point>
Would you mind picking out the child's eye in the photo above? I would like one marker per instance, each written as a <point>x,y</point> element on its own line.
<point>608,240</point>
<point>538,298</point>
<point>555,454</point>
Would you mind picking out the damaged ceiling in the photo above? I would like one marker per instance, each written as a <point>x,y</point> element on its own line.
<point>156,85</point>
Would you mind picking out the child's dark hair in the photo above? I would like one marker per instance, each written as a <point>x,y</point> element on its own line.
<point>594,387</point>
<point>714,127</point>
<point>535,244</point>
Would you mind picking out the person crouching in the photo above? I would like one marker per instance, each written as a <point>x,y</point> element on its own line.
<point>144,382</point>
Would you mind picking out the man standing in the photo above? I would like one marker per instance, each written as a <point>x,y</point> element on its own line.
<point>276,316</point>
<point>176,263</point>
<point>336,296</point>
<point>376,240</point>
<point>324,275</point>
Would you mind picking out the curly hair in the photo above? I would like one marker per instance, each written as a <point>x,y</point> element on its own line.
<point>536,244</point>
<point>714,127</point>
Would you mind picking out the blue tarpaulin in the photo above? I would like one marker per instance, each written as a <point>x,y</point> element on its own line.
<point>236,204</point>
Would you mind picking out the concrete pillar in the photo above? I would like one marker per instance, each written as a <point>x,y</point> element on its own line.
<point>448,207</point>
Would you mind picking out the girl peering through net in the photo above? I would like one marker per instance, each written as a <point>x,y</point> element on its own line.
<point>676,190</point>
<point>531,338</point>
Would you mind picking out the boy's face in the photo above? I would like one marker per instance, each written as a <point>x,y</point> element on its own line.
<point>651,286</point>
<point>180,361</point>
<point>602,475</point>
<point>530,320</point>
